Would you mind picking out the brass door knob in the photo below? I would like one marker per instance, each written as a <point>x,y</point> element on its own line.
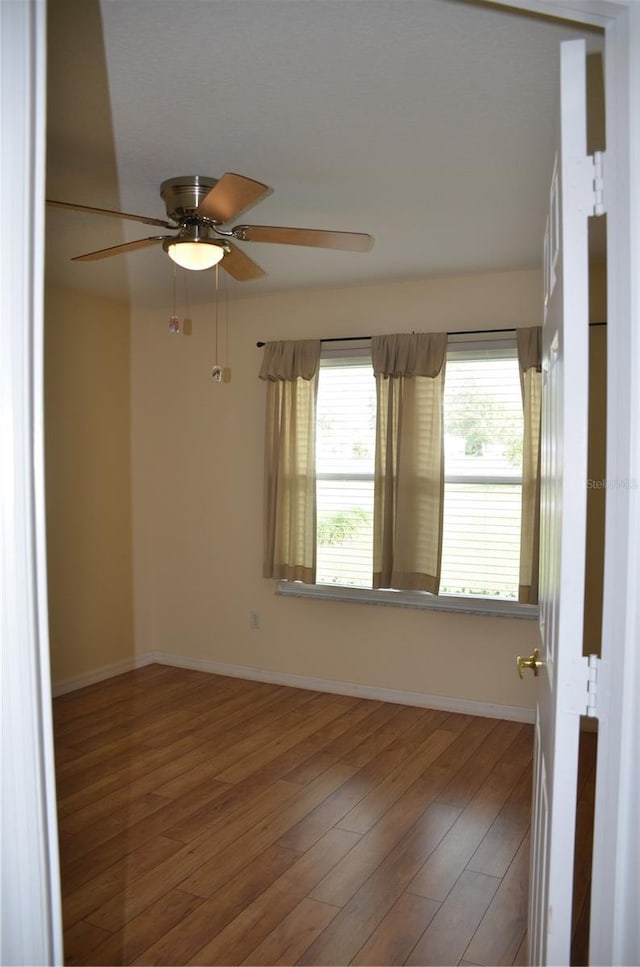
<point>533,662</point>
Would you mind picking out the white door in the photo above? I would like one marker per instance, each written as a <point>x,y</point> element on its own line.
<point>562,674</point>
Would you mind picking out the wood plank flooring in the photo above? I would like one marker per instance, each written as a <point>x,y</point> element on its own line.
<point>210,820</point>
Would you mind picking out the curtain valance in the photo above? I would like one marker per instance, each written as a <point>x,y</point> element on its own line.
<point>293,359</point>
<point>409,354</point>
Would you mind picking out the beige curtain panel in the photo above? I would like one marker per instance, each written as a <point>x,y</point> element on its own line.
<point>290,370</point>
<point>409,463</point>
<point>530,363</point>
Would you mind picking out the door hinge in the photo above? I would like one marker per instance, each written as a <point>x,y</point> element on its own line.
<point>591,703</point>
<point>597,161</point>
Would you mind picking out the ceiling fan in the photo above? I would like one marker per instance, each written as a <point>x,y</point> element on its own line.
<point>198,207</point>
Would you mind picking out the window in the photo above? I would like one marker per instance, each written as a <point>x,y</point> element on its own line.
<point>345,451</point>
<point>483,429</point>
<point>483,456</point>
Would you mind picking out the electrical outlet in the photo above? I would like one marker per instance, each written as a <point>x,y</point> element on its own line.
<point>254,620</point>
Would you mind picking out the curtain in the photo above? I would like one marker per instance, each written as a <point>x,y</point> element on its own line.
<point>530,363</point>
<point>290,370</point>
<point>409,462</point>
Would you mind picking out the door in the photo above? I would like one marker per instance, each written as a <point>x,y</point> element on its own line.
<point>562,674</point>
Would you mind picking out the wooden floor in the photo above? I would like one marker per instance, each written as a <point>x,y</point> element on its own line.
<point>209,820</point>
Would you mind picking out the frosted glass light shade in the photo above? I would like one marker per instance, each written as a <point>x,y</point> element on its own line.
<point>195,255</point>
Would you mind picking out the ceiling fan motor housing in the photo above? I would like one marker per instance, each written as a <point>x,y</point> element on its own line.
<point>182,195</point>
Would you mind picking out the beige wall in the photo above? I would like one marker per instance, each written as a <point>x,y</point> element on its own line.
<point>197,500</point>
<point>88,472</point>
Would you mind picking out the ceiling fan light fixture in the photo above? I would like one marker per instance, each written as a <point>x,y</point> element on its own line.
<point>195,255</point>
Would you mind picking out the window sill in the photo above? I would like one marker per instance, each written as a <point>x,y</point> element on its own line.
<point>408,599</point>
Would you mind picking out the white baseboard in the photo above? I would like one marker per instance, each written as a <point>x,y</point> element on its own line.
<point>100,674</point>
<point>513,713</point>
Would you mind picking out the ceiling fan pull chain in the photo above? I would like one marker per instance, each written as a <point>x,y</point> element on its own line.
<point>187,325</point>
<point>174,322</point>
<point>216,369</point>
<point>226,371</point>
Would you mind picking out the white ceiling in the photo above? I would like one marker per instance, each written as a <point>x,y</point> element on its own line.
<point>427,123</point>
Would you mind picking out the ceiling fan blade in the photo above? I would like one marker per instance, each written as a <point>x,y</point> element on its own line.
<point>105,253</point>
<point>232,195</point>
<point>108,211</point>
<point>317,238</point>
<point>240,266</point>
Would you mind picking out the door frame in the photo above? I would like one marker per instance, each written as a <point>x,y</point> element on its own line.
<point>33,931</point>
<point>31,906</point>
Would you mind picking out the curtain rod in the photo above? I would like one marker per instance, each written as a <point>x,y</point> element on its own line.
<point>460,332</point>
<point>358,338</point>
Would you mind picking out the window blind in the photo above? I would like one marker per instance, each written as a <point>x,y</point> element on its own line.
<point>345,449</point>
<point>483,472</point>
